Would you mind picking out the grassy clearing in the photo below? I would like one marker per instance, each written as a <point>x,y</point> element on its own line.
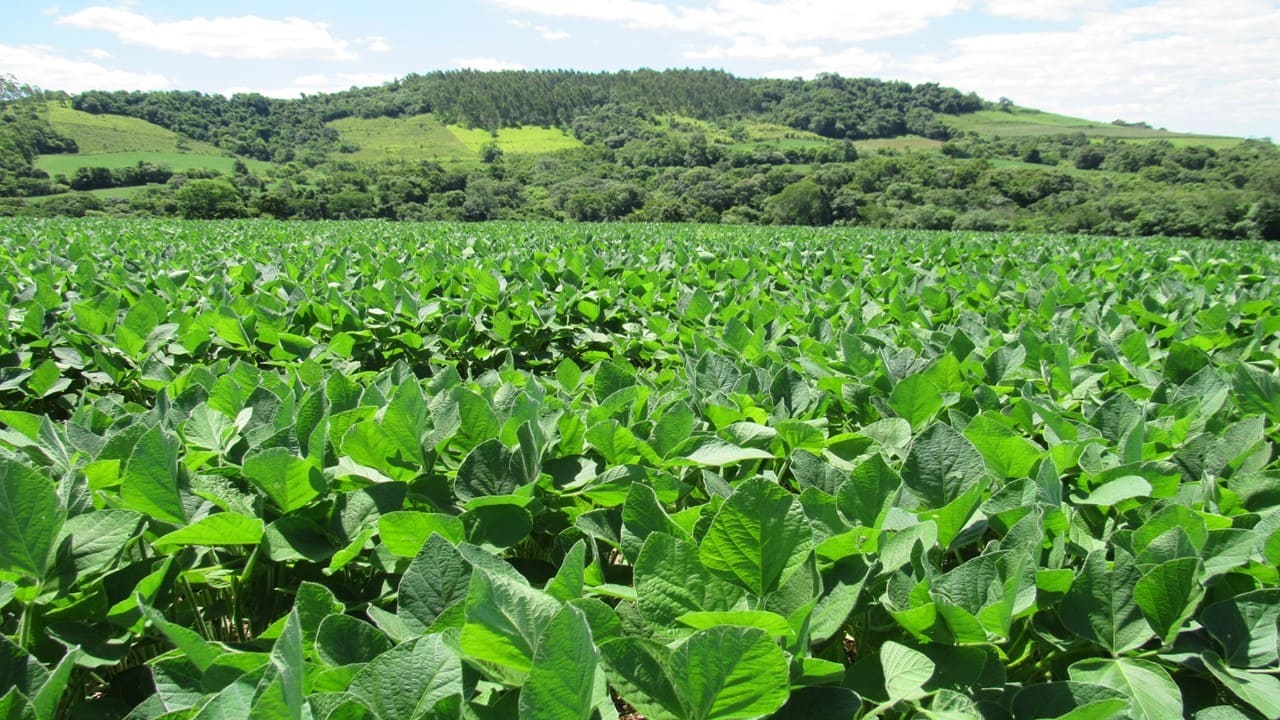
<point>1023,122</point>
<point>905,142</point>
<point>99,134</point>
<point>528,140</point>
<point>419,137</point>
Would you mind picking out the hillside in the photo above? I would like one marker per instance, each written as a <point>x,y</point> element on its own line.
<point>678,145</point>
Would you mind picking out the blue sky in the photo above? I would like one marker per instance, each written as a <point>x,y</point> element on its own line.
<point>1206,66</point>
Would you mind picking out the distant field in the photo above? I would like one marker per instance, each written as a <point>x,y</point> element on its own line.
<point>97,134</point>
<point>905,142</point>
<point>528,140</point>
<point>68,164</point>
<point>1022,122</point>
<point>420,137</point>
<point>115,141</point>
<point>424,137</point>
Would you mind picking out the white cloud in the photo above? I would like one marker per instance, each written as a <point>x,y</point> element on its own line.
<point>754,51</point>
<point>315,84</point>
<point>1055,10</point>
<point>850,62</point>
<point>43,66</point>
<point>774,22</point>
<point>51,10</point>
<point>486,64</point>
<point>244,36</point>
<point>374,44</point>
<point>1183,64</point>
<point>547,33</point>
<point>98,54</point>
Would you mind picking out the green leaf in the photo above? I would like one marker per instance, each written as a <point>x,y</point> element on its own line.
<point>641,670</point>
<point>219,530</point>
<point>1070,701</point>
<point>565,680</point>
<point>437,579</point>
<point>1245,627</point>
<point>505,617</point>
<point>1009,454</point>
<point>759,538</point>
<point>1100,605</point>
<point>489,469</point>
<point>345,640</point>
<point>713,452</point>
<point>772,623</point>
<point>410,680</point>
<point>941,465</point>
<point>1152,693</point>
<point>1260,690</point>
<point>289,481</point>
<point>405,531</point>
<point>671,581</point>
<point>15,706</point>
<point>1169,594</point>
<point>30,519</point>
<point>906,671</point>
<point>1118,490</point>
<point>867,495</point>
<point>916,399</point>
<point>150,483</point>
<point>730,672</point>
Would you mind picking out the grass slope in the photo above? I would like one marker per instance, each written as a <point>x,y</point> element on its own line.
<point>424,137</point>
<point>420,137</point>
<point>116,141</point>
<point>1025,122</point>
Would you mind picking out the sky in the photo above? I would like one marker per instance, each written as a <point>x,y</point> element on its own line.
<point>1208,66</point>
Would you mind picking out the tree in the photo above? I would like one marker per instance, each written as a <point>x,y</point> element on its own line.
<point>800,203</point>
<point>209,200</point>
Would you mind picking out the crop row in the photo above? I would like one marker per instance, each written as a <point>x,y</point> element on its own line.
<point>357,471</point>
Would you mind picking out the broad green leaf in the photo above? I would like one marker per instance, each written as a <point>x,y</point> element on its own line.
<point>671,581</point>
<point>15,706</point>
<point>410,680</point>
<point>150,483</point>
<point>565,680</point>
<point>713,452</point>
<point>1100,606</point>
<point>772,623</point>
<point>437,578</point>
<point>218,530</point>
<point>941,465</point>
<point>489,469</point>
<point>405,531</point>
<point>1152,693</point>
<point>916,399</point>
<point>288,481</point>
<point>505,617</point>
<point>642,672</point>
<point>1169,594</point>
<point>866,496</point>
<point>30,519</point>
<point>1118,490</point>
<point>730,672</point>
<point>1007,453</point>
<point>1259,690</point>
<point>759,538</point>
<point>1070,700</point>
<point>345,640</point>
<point>1245,627</point>
<point>906,671</point>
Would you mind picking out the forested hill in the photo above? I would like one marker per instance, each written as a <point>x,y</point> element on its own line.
<point>269,129</point>
<point>672,146</point>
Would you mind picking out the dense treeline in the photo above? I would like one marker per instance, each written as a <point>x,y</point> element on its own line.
<point>269,129</point>
<point>672,146</point>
